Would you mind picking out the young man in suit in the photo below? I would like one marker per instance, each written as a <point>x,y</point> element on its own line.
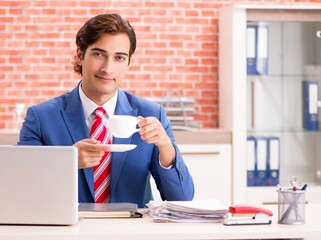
<point>105,45</point>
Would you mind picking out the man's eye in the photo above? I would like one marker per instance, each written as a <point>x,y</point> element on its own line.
<point>120,58</point>
<point>99,54</point>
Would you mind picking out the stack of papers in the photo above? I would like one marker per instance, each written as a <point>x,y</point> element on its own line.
<point>187,211</point>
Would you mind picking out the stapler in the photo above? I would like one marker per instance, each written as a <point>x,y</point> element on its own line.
<point>247,215</point>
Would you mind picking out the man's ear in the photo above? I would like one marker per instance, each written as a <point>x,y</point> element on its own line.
<point>79,57</point>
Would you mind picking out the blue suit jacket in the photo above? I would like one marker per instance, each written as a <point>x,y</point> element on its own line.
<point>61,121</point>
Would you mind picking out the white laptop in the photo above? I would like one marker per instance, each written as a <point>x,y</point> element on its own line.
<point>38,185</point>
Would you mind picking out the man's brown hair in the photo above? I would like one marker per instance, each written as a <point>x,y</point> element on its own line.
<point>95,27</point>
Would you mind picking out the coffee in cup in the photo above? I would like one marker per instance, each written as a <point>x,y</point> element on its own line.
<point>122,126</point>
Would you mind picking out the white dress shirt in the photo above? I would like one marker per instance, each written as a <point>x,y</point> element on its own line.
<point>89,107</point>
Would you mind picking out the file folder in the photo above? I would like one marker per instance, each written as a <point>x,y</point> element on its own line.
<point>257,48</point>
<point>108,210</point>
<point>251,49</point>
<point>262,49</point>
<point>261,161</point>
<point>310,97</point>
<point>251,164</point>
<point>273,161</point>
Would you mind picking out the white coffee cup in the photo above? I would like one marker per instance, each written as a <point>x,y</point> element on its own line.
<point>122,126</point>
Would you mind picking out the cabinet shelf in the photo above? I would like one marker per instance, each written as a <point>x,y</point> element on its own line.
<point>302,76</point>
<point>267,195</point>
<point>281,131</point>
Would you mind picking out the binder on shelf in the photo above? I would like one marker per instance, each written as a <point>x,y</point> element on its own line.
<point>262,49</point>
<point>257,48</point>
<point>310,96</point>
<point>251,49</point>
<point>261,161</point>
<point>251,164</point>
<point>273,165</point>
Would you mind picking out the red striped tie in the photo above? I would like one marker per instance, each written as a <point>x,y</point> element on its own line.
<point>102,171</point>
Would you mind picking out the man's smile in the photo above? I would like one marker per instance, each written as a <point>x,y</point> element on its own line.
<point>105,78</point>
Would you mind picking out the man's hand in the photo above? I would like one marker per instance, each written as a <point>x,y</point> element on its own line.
<point>152,131</point>
<point>90,152</point>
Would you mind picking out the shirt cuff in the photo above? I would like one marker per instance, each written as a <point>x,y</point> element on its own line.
<point>169,167</point>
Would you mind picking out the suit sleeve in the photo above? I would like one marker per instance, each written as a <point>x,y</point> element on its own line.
<point>30,130</point>
<point>175,184</point>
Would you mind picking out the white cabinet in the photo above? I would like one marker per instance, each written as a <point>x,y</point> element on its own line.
<point>270,104</point>
<point>210,167</point>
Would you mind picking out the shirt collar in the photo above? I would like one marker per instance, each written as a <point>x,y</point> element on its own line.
<point>89,106</point>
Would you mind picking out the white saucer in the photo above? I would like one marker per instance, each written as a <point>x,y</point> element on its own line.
<point>121,147</point>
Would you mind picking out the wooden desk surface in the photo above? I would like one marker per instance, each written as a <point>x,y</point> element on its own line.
<point>144,229</point>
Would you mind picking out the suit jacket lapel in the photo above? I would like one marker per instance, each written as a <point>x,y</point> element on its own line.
<point>76,124</point>
<point>74,117</point>
<point>123,107</point>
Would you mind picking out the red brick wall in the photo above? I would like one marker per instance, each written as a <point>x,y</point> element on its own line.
<point>177,49</point>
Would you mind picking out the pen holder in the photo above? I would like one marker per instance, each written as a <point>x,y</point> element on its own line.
<point>291,206</point>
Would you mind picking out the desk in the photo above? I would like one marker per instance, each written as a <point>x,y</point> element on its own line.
<point>140,229</point>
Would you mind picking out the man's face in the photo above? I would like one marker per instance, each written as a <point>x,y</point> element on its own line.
<point>104,66</point>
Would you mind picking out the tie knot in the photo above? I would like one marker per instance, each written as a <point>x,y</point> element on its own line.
<point>100,112</point>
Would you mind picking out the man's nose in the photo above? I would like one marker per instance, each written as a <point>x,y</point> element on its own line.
<point>107,66</point>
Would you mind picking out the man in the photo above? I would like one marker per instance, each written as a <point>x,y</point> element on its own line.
<point>105,45</point>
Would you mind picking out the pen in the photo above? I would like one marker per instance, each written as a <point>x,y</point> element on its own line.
<point>304,187</point>
<point>296,199</point>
